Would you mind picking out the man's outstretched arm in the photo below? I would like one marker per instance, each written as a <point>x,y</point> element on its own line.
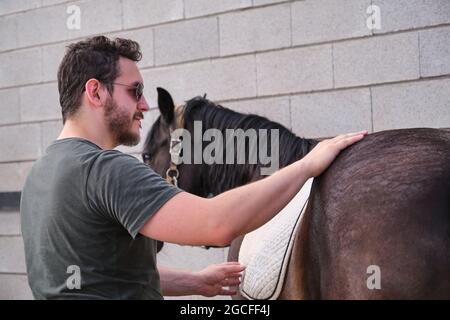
<point>189,219</point>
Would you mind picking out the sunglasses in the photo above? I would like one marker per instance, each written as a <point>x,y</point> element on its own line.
<point>138,89</point>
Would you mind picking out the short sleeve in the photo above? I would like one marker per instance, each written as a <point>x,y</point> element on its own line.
<point>126,190</point>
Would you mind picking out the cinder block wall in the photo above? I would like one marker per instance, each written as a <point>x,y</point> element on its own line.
<point>312,65</point>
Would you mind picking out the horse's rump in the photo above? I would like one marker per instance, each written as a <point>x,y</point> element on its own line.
<point>385,202</point>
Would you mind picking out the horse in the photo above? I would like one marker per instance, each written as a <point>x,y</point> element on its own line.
<point>384,202</point>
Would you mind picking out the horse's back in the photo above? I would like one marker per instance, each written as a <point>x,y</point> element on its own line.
<point>382,209</point>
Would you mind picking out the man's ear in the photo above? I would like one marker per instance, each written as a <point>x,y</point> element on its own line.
<point>166,105</point>
<point>96,93</point>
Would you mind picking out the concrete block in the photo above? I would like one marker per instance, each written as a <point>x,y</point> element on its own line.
<point>50,131</point>
<point>186,40</point>
<point>9,224</point>
<point>13,175</point>
<point>408,105</point>
<point>222,79</point>
<point>294,70</point>
<point>20,67</point>
<point>10,6</point>
<point>12,255</point>
<point>145,39</point>
<point>324,20</point>
<point>376,60</point>
<point>9,106</point>
<point>52,56</point>
<point>195,8</point>
<point>14,287</point>
<point>40,102</point>
<point>97,17</point>
<point>264,2</point>
<point>52,2</point>
<point>49,24</point>
<point>408,14</point>
<point>137,13</point>
<point>255,30</point>
<point>20,142</point>
<point>42,26</point>
<point>328,114</point>
<point>275,109</point>
<point>435,52</point>
<point>8,33</point>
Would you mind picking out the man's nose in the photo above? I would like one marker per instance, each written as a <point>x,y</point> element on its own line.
<point>143,105</point>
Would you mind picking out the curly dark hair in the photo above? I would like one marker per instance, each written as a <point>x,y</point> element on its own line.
<point>95,57</point>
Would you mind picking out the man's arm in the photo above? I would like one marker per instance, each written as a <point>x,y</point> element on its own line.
<point>188,219</point>
<point>208,282</point>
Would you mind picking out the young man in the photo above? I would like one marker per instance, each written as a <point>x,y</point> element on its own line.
<point>89,208</point>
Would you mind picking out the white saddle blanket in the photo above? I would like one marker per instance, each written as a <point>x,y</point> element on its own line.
<point>265,251</point>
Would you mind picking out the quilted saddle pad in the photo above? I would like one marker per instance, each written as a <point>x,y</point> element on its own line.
<point>265,251</point>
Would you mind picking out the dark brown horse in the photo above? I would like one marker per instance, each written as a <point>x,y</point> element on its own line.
<point>384,202</point>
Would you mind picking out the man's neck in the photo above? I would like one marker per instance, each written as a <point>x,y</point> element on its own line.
<point>95,134</point>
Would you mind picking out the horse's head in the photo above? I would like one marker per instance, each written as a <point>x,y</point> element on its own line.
<point>156,147</point>
<point>156,151</point>
<point>211,179</point>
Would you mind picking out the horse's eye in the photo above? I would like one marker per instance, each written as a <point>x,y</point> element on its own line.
<point>146,157</point>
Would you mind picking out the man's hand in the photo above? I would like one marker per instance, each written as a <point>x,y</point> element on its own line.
<point>322,155</point>
<point>214,279</point>
<point>209,282</point>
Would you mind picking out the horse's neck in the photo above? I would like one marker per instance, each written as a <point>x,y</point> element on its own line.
<point>295,150</point>
<point>220,178</point>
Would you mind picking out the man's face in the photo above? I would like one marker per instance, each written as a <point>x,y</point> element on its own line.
<point>123,112</point>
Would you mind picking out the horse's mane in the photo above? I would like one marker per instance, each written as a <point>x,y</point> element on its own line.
<point>225,176</point>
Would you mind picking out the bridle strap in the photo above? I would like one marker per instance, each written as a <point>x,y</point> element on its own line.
<point>172,173</point>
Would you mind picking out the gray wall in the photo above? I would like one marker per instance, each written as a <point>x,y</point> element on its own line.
<point>312,65</point>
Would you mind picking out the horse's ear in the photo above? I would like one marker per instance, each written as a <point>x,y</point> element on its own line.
<point>166,105</point>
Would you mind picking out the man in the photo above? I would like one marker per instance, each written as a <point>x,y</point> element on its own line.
<point>89,208</point>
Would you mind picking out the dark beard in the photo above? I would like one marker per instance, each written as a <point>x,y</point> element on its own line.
<point>120,123</point>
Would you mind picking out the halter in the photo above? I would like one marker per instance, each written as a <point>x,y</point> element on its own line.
<point>172,173</point>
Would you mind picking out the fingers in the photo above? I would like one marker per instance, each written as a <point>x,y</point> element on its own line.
<point>344,137</point>
<point>230,282</point>
<point>237,274</point>
<point>363,132</point>
<point>348,135</point>
<point>229,286</point>
<point>227,292</point>
<point>345,142</point>
<point>231,268</point>
<point>231,279</point>
<point>231,273</point>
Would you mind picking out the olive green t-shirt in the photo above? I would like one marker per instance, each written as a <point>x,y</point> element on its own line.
<point>81,211</point>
